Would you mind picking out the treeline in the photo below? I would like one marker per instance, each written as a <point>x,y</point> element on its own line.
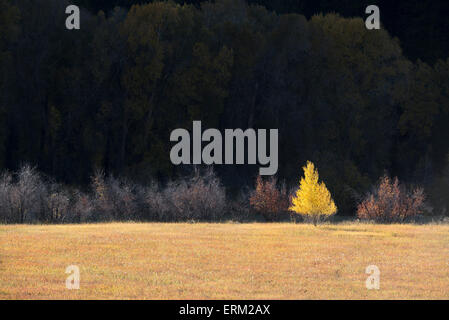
<point>27,196</point>
<point>108,95</point>
<point>420,25</point>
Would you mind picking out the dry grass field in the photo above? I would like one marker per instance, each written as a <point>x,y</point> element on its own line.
<point>224,261</point>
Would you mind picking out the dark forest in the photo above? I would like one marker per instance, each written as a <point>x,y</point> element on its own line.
<point>358,103</point>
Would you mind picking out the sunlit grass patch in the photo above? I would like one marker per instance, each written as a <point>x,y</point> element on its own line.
<point>224,261</point>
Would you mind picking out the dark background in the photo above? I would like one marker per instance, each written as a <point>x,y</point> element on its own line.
<point>421,26</point>
<point>358,103</point>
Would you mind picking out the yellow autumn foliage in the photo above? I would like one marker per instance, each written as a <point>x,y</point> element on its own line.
<point>312,200</point>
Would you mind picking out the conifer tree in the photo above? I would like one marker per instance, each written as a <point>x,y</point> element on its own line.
<point>312,200</point>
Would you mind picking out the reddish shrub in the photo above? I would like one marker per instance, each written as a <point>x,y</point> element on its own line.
<point>391,202</point>
<point>268,200</point>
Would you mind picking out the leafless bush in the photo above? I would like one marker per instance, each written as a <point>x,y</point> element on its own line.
<point>200,197</point>
<point>268,199</point>
<point>391,202</point>
<point>82,208</point>
<point>101,205</point>
<point>155,206</point>
<point>26,194</point>
<point>123,199</point>
<point>113,199</point>
<point>6,208</point>
<point>55,204</point>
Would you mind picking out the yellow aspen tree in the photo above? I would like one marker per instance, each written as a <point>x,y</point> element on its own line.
<point>312,200</point>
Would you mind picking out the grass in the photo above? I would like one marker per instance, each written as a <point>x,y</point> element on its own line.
<point>224,261</point>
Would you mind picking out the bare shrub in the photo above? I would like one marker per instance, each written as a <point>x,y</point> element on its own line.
<point>56,204</point>
<point>200,197</point>
<point>27,194</point>
<point>121,195</point>
<point>102,206</point>
<point>268,200</point>
<point>6,208</point>
<point>82,208</point>
<point>155,205</point>
<point>113,199</point>
<point>391,202</point>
